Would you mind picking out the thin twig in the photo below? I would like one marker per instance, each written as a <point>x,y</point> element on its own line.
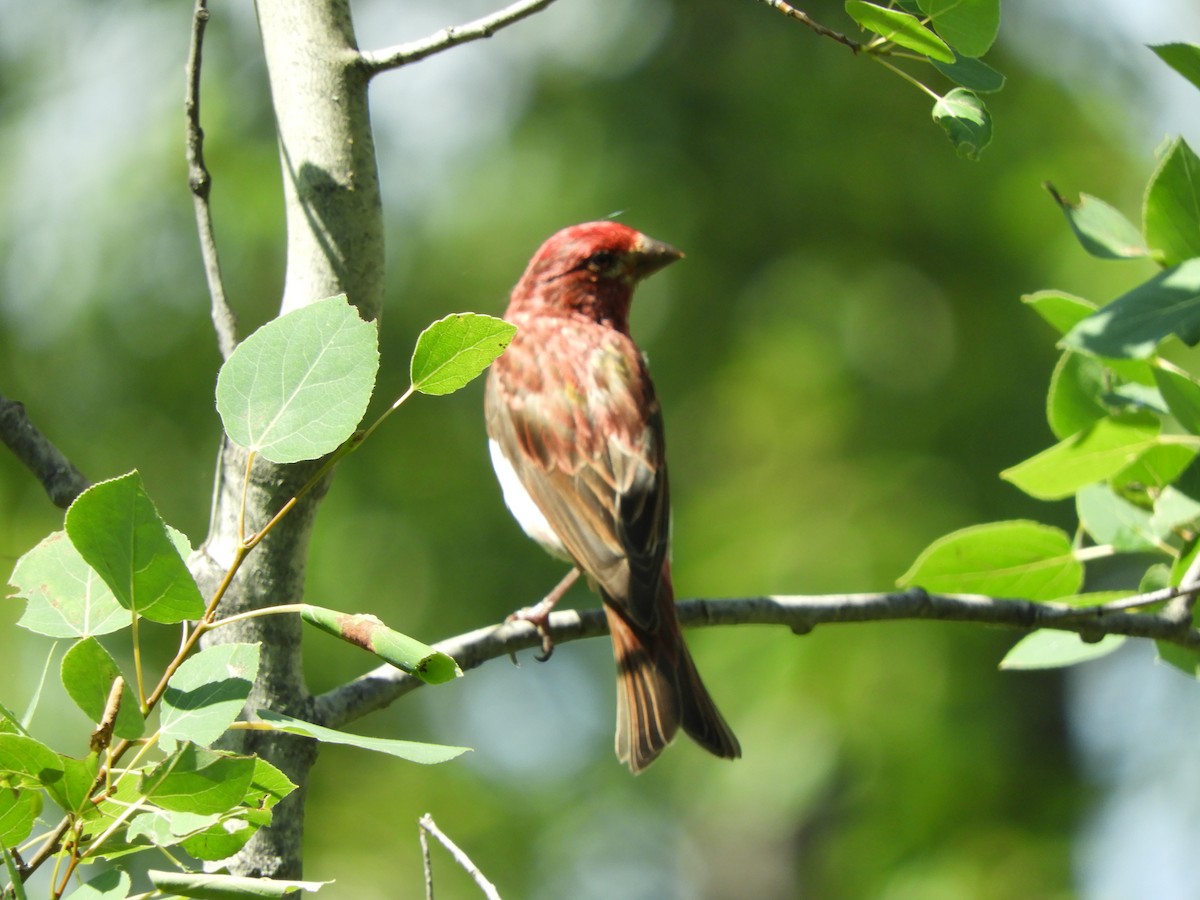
<point>376,61</point>
<point>102,736</point>
<point>427,861</point>
<point>61,480</point>
<point>200,182</point>
<point>428,825</point>
<point>381,686</point>
<point>805,19</point>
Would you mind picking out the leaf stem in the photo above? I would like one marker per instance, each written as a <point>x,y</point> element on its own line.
<point>909,78</point>
<point>137,663</point>
<point>349,446</point>
<point>387,412</point>
<point>241,525</point>
<point>255,613</point>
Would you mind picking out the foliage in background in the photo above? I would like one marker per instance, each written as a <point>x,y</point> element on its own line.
<point>883,429</point>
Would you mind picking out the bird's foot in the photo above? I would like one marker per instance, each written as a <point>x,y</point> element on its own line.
<point>538,615</point>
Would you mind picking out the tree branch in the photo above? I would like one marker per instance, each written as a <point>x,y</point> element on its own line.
<point>62,481</point>
<point>805,19</point>
<point>801,614</point>
<point>376,61</point>
<point>426,825</point>
<point>200,182</point>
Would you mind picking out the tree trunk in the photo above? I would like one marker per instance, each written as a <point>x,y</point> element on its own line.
<point>334,245</point>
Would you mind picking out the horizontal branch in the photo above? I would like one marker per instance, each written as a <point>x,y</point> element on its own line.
<point>377,61</point>
<point>61,480</point>
<point>801,614</point>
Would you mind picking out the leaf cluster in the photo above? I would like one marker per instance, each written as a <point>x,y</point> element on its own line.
<point>1124,406</point>
<point>154,777</point>
<point>950,36</point>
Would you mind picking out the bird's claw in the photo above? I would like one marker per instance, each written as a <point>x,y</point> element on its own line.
<point>539,617</point>
<point>539,614</point>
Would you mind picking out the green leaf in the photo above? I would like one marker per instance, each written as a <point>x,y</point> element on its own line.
<point>14,875</point>
<point>1181,393</point>
<point>298,387</point>
<point>1134,324</point>
<point>27,764</point>
<point>973,74</point>
<point>900,28</point>
<point>1073,402</point>
<point>1183,58</point>
<point>117,530</point>
<point>1156,577</point>
<point>1061,310</point>
<point>73,791</point>
<point>1181,565</point>
<point>366,631</point>
<point>226,837</point>
<point>1051,649</point>
<point>1174,508</point>
<point>112,813</point>
<point>1100,228</point>
<point>1110,519</point>
<point>216,836</point>
<point>1185,660</point>
<point>966,121</point>
<point>268,786</point>
<point>1179,504</point>
<point>88,673</point>
<point>969,26</point>
<point>199,781</point>
<point>1135,398</point>
<point>19,809</point>
<point>65,596</point>
<point>1171,212</point>
<point>164,828</point>
<point>427,754</point>
<point>1000,559</point>
<point>227,887</point>
<point>1085,458</point>
<point>206,694</point>
<point>112,884</point>
<point>1156,468</point>
<point>453,351</point>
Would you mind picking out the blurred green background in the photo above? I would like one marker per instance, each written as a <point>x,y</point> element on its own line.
<point>843,360</point>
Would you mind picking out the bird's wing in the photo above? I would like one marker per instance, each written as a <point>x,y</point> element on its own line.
<point>574,412</point>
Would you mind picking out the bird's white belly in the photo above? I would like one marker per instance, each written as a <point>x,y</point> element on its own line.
<point>521,505</point>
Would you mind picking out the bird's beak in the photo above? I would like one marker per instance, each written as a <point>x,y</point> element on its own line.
<point>650,255</point>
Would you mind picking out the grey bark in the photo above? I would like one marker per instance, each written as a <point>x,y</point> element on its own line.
<point>334,245</point>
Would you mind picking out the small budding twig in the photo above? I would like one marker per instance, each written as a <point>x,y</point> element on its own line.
<point>401,55</point>
<point>805,19</point>
<point>102,736</point>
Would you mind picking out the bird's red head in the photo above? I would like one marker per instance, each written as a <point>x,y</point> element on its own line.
<point>591,270</point>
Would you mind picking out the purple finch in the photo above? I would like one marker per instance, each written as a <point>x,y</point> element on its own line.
<point>576,436</point>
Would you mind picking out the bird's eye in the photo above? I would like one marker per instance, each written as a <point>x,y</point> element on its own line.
<point>601,261</point>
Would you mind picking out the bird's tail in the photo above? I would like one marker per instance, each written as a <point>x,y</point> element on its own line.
<point>659,690</point>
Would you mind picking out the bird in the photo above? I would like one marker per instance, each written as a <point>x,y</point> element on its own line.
<point>575,432</point>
